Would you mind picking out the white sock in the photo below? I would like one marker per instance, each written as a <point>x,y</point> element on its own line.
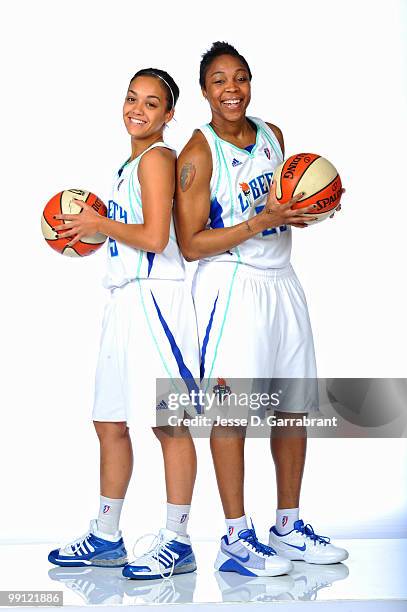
<point>177,518</point>
<point>285,519</point>
<point>233,526</point>
<point>109,514</point>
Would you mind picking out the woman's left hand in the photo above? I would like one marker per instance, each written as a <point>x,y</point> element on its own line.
<point>85,223</point>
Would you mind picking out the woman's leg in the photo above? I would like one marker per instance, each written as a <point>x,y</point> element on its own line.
<point>116,465</point>
<point>179,463</point>
<point>180,472</point>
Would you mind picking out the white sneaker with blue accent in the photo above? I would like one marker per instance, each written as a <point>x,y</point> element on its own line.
<point>170,554</point>
<point>248,557</point>
<point>93,548</point>
<point>303,544</point>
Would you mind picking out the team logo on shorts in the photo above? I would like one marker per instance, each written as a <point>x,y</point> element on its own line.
<point>231,530</point>
<point>267,152</point>
<point>106,509</point>
<point>247,193</point>
<point>285,520</point>
<point>221,389</point>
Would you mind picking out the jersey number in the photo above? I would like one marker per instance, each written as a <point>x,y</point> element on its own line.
<point>116,213</point>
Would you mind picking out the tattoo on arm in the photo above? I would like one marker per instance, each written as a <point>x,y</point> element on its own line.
<point>187,176</point>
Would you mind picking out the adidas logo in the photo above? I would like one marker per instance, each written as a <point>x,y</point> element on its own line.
<point>236,162</point>
<point>162,406</point>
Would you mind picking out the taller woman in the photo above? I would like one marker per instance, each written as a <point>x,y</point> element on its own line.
<point>251,310</point>
<point>149,332</point>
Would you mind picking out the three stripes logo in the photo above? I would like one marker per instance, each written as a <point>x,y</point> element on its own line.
<point>236,162</point>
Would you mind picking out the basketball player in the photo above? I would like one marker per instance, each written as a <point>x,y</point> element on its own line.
<point>149,331</point>
<point>251,310</point>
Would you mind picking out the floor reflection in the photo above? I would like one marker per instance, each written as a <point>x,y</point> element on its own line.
<point>303,583</point>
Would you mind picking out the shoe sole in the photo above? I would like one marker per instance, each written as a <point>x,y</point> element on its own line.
<point>120,562</point>
<point>185,569</point>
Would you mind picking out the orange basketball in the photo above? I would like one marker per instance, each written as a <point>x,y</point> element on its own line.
<point>316,177</point>
<point>62,204</point>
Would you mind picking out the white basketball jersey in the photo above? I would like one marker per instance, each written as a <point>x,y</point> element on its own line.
<point>240,184</point>
<point>126,263</point>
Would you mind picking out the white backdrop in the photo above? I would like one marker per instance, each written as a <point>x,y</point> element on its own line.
<point>332,76</point>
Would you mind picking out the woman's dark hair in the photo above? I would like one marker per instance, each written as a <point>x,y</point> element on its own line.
<point>219,48</point>
<point>170,86</point>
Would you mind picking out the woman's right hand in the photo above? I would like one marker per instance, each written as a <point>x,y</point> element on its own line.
<point>275,214</point>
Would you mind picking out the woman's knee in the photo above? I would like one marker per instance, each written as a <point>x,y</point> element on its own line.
<point>111,431</point>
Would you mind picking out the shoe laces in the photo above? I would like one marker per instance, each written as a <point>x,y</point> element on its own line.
<point>158,545</point>
<point>308,531</point>
<point>249,536</point>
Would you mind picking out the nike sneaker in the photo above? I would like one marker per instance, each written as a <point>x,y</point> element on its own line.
<point>247,556</point>
<point>303,544</point>
<point>93,548</point>
<point>170,554</point>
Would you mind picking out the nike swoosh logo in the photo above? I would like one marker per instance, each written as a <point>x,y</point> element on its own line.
<point>242,559</point>
<point>303,547</point>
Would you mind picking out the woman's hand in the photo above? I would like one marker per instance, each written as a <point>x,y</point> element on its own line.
<point>275,214</point>
<point>85,223</point>
<point>338,208</point>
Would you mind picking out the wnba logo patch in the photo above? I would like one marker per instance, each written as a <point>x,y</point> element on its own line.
<point>106,509</point>
<point>267,152</point>
<point>183,518</point>
<point>285,520</point>
<point>231,530</point>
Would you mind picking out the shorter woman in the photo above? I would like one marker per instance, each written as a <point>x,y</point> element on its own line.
<point>149,332</point>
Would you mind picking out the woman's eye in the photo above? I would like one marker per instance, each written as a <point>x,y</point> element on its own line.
<point>130,99</point>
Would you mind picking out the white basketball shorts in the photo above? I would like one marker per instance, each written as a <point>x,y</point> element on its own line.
<point>254,324</point>
<point>148,332</point>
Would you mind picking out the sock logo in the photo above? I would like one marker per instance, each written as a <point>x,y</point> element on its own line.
<point>231,530</point>
<point>106,509</point>
<point>183,518</point>
<point>285,520</point>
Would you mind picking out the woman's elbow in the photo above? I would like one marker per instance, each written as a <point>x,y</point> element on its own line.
<point>189,254</point>
<point>159,246</point>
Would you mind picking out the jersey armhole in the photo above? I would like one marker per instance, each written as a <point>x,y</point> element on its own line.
<point>216,160</point>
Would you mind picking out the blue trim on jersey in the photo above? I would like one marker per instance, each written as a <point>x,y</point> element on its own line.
<point>150,257</point>
<point>250,147</point>
<point>206,339</point>
<point>215,214</point>
<point>185,373</point>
